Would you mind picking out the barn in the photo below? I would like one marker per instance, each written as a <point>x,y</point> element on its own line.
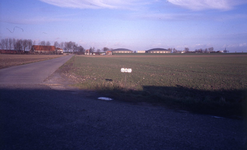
<point>43,49</point>
<point>122,50</point>
<point>158,50</point>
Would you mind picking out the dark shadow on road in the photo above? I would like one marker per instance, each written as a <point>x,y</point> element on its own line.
<point>37,117</point>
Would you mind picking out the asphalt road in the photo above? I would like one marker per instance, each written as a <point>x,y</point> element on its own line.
<point>34,116</point>
<point>33,73</point>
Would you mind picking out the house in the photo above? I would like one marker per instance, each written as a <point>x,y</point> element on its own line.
<point>59,51</point>
<point>43,49</point>
<point>158,50</point>
<point>108,52</point>
<point>87,52</point>
<point>122,50</point>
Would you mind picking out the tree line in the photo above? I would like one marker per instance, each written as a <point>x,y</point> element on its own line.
<point>24,44</point>
<point>15,44</point>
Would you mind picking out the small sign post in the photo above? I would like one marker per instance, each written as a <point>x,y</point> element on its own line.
<point>126,70</point>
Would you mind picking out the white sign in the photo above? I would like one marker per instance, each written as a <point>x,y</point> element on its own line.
<point>128,70</point>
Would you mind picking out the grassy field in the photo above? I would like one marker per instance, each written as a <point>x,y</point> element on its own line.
<point>189,79</point>
<point>8,60</point>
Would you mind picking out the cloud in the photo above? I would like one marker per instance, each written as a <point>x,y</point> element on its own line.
<point>38,20</point>
<point>96,4</point>
<point>207,4</point>
<point>187,16</point>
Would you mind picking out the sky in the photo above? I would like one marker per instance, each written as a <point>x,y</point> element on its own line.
<point>132,24</point>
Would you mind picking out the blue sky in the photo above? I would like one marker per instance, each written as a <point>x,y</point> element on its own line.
<point>133,24</point>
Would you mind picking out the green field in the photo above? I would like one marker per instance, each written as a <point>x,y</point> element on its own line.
<point>214,79</point>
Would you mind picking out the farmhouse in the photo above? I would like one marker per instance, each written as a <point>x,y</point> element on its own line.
<point>108,52</point>
<point>59,51</point>
<point>43,49</point>
<point>158,50</point>
<point>122,50</point>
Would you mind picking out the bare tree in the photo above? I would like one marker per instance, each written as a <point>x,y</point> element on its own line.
<point>174,50</point>
<point>30,43</point>
<point>18,44</point>
<point>105,49</point>
<point>48,43</point>
<point>25,44</point>
<point>2,43</point>
<point>56,44</point>
<point>10,43</point>
<point>91,50</point>
<point>186,49</point>
<point>210,49</point>
<point>14,41</point>
<point>42,43</point>
<point>62,45</point>
<point>6,43</point>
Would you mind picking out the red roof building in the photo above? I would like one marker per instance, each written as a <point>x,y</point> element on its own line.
<point>43,49</point>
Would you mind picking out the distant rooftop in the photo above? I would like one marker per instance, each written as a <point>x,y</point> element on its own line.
<point>121,49</point>
<point>158,49</point>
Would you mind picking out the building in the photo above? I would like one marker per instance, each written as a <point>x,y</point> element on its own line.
<point>59,51</point>
<point>122,50</point>
<point>140,51</point>
<point>43,49</point>
<point>158,50</point>
<point>108,52</point>
<point>87,52</point>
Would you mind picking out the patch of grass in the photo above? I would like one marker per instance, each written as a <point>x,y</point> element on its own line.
<point>213,81</point>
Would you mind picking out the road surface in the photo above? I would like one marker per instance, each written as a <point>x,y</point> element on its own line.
<point>33,73</point>
<point>34,116</point>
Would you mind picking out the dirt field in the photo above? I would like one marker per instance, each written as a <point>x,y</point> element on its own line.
<point>170,55</point>
<point>8,60</point>
<point>215,83</point>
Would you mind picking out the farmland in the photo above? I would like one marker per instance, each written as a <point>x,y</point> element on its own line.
<point>202,79</point>
<point>8,60</point>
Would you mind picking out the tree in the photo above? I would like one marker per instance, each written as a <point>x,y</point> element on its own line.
<point>19,44</point>
<point>2,43</point>
<point>225,51</point>
<point>105,49</point>
<point>56,44</point>
<point>14,42</point>
<point>186,49</point>
<point>74,47</point>
<point>42,43</point>
<point>91,50</point>
<point>30,43</point>
<point>25,44</point>
<point>210,49</point>
<point>62,45</point>
<point>34,42</point>
<point>174,50</point>
<point>48,43</point>
<point>10,43</point>
<point>6,43</point>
